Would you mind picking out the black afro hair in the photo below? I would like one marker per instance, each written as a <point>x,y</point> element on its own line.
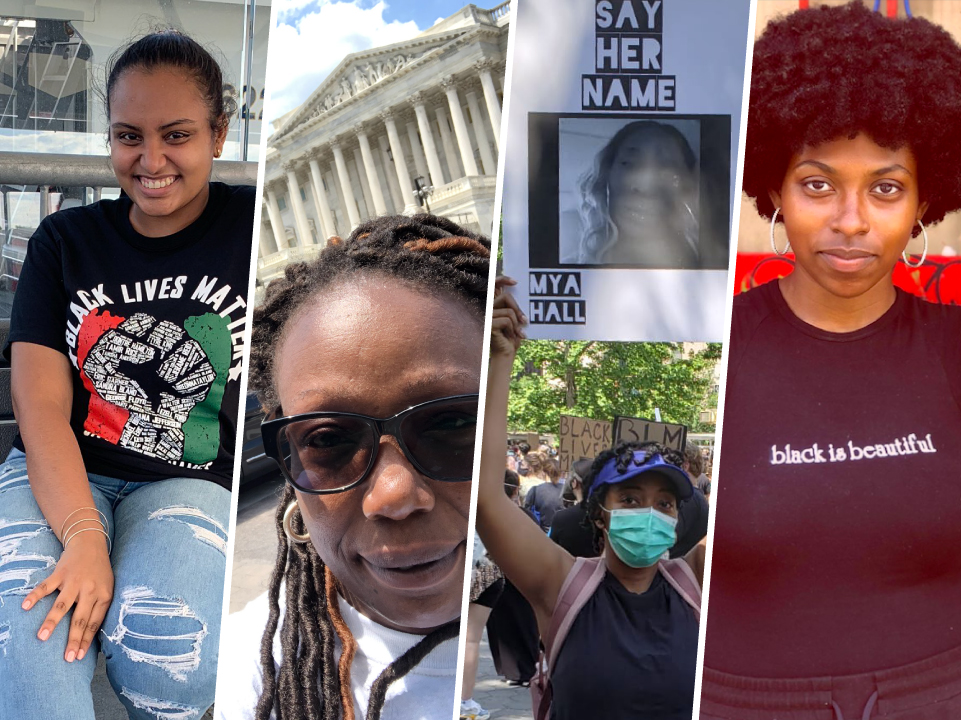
<point>834,72</point>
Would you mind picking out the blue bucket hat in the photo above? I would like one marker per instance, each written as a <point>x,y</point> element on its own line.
<point>643,462</point>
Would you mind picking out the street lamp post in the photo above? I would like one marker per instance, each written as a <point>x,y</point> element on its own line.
<point>422,191</point>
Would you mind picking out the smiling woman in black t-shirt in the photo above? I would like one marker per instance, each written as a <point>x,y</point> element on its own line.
<point>125,347</point>
<point>834,577</point>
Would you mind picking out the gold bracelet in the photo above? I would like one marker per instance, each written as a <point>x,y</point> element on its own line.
<point>100,530</point>
<point>72,526</point>
<point>104,523</point>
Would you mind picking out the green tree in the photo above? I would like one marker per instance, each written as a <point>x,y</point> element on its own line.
<point>603,379</point>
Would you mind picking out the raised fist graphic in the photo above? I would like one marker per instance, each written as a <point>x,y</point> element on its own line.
<point>155,371</point>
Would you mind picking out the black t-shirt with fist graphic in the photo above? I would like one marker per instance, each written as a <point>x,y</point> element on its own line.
<point>153,328</point>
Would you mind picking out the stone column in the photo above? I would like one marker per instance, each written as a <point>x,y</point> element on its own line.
<point>297,204</point>
<point>376,192</point>
<point>400,165</point>
<point>339,207</point>
<point>484,68</point>
<point>460,126</point>
<point>345,187</point>
<point>276,219</point>
<point>358,168</point>
<point>420,162</point>
<point>480,132</point>
<point>266,246</point>
<point>453,166</point>
<point>430,149</point>
<point>327,227</point>
<point>392,186</point>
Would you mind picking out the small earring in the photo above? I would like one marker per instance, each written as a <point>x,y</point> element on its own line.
<point>217,152</point>
<point>924,253</point>
<point>288,530</point>
<point>787,247</point>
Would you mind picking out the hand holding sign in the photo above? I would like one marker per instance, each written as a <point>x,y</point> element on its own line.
<point>507,324</point>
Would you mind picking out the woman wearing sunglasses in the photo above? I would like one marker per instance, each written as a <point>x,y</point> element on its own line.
<point>368,361</point>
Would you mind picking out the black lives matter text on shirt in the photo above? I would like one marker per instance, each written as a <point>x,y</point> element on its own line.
<point>628,50</point>
<point>153,329</point>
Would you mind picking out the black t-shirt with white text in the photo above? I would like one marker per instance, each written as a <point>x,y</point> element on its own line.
<point>153,329</point>
<point>838,517</point>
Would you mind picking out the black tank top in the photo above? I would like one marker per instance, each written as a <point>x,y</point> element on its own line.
<point>628,656</point>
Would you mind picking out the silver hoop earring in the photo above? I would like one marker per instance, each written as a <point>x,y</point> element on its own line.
<point>924,253</point>
<point>787,247</point>
<point>288,529</point>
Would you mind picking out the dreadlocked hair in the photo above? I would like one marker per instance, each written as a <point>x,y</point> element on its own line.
<point>623,456</point>
<point>427,252</point>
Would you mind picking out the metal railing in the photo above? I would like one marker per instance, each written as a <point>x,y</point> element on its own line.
<point>45,170</point>
<point>18,168</point>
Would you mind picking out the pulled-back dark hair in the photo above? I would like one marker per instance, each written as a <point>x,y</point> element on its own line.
<point>173,49</point>
<point>834,72</point>
<point>429,253</point>
<point>623,455</point>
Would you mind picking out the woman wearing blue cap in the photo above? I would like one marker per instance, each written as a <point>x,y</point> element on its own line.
<point>634,603</point>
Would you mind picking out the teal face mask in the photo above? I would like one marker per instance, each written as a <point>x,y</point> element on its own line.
<point>640,537</point>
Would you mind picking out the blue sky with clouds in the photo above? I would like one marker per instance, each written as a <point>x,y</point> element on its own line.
<point>313,36</point>
<point>422,12</point>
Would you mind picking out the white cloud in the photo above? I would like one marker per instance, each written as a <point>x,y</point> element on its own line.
<point>303,54</point>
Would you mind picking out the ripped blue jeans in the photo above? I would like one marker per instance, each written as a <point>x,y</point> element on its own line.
<point>161,634</point>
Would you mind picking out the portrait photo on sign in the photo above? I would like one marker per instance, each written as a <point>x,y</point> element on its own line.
<point>647,192</point>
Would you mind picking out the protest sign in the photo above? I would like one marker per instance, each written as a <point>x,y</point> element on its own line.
<point>619,175</point>
<point>628,429</point>
<point>581,438</point>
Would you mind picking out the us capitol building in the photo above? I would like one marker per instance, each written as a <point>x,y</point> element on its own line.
<point>393,129</point>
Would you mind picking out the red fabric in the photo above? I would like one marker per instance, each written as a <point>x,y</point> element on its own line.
<point>938,280</point>
<point>104,419</point>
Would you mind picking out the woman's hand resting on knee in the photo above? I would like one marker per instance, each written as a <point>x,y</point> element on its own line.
<point>84,579</point>
<point>42,399</point>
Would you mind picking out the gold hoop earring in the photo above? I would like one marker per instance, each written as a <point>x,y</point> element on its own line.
<point>787,247</point>
<point>288,530</point>
<point>924,253</point>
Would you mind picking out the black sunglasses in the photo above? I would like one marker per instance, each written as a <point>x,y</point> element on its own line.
<point>329,452</point>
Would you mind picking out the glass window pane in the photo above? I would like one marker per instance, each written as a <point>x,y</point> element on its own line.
<point>52,76</point>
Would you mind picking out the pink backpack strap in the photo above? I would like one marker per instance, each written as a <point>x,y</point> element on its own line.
<point>680,576</point>
<point>581,582</point>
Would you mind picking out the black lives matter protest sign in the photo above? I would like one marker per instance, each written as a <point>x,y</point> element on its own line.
<point>628,51</point>
<point>639,430</point>
<point>581,439</point>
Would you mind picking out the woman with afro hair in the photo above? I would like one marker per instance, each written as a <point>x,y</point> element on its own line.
<point>367,361</point>
<point>836,576</point>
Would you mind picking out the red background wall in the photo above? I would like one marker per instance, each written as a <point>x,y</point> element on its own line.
<point>938,280</point>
